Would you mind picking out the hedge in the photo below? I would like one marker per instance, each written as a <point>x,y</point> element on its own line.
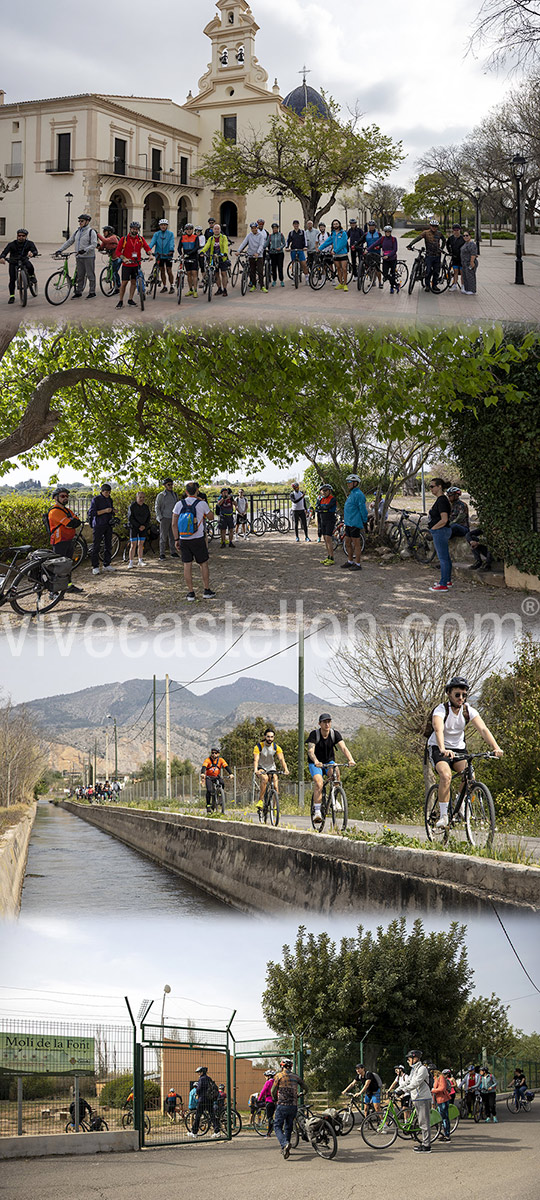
<point>21,521</point>
<point>114,1093</point>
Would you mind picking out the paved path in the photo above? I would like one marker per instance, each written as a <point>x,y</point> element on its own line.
<point>498,299</point>
<point>491,1162</point>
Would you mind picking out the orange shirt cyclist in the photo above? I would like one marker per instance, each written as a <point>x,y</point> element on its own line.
<point>210,771</point>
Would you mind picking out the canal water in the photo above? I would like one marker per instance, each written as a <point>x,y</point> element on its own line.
<point>76,869</point>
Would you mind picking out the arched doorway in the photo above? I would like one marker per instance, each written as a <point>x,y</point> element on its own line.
<point>154,209</point>
<point>118,213</point>
<point>228,217</point>
<point>183,214</point>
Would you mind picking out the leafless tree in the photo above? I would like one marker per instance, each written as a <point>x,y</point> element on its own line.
<point>22,756</point>
<point>512,29</point>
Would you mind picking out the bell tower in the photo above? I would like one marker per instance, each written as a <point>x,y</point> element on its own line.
<point>232,34</point>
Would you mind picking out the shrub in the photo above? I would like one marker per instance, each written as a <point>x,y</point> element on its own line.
<point>393,786</point>
<point>21,520</point>
<point>116,1091</point>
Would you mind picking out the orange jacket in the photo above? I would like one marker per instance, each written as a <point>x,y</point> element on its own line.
<point>59,517</point>
<point>213,769</point>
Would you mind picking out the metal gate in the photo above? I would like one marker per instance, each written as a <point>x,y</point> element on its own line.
<point>168,1059</point>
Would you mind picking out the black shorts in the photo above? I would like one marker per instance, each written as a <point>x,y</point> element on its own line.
<point>226,521</point>
<point>129,271</point>
<point>194,550</point>
<point>328,523</point>
<point>437,755</point>
<point>191,264</point>
<point>352,531</point>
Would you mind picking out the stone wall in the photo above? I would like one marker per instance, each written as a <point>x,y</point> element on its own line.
<point>13,856</point>
<point>260,869</point>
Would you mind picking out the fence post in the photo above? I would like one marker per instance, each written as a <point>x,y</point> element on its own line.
<point>183,789</point>
<point>138,1091</point>
<point>234,786</point>
<point>76,1102</point>
<point>19,1105</point>
<point>251,508</point>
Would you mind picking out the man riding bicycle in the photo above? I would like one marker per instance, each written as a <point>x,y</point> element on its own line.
<point>163,245</point>
<point>129,250</point>
<point>446,744</point>
<point>322,743</point>
<point>264,766</point>
<point>210,771</point>
<point>18,255</point>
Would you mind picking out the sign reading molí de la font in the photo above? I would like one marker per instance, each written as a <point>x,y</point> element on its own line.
<point>46,1054</point>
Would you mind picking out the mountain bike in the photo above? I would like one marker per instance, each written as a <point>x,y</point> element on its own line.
<point>323,269</point>
<point>154,279</point>
<point>407,531</point>
<point>464,1111</point>
<point>268,805</point>
<point>127,1120</point>
<point>95,1124</point>
<point>472,804</point>
<point>369,272</point>
<point>24,282</point>
<point>216,803</point>
<point>318,1130</point>
<point>180,280</point>
<point>206,1120</point>
<point>239,267</point>
<point>347,1115</point>
<point>59,285</point>
<point>294,268</point>
<point>520,1103</point>
<point>333,803</point>
<point>381,1129</point>
<point>265,522</point>
<point>338,538</point>
<point>419,267</point>
<point>107,280</point>
<point>260,1121</point>
<point>34,588</point>
<point>140,286</point>
<point>208,278</point>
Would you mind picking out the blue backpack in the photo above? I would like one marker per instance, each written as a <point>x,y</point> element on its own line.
<point>187,519</point>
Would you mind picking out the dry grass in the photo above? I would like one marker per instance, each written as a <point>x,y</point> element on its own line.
<point>12,815</point>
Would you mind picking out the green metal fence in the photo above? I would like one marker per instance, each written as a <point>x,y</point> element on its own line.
<point>171,1054</point>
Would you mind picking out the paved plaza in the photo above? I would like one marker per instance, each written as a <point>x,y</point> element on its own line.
<point>498,298</point>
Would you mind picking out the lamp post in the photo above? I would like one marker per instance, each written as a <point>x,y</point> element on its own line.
<point>69,198</point>
<point>111,718</point>
<point>477,195</point>
<point>166,991</point>
<point>280,202</point>
<point>518,170</point>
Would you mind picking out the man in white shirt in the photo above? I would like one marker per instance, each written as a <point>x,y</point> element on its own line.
<point>417,1084</point>
<point>85,241</point>
<point>447,742</point>
<point>299,511</point>
<point>188,531</point>
<point>255,244</point>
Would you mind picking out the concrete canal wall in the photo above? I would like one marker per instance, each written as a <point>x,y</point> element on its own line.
<point>13,855</point>
<point>260,869</point>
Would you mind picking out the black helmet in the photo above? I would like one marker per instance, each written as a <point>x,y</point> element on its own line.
<point>414,1054</point>
<point>84,217</point>
<point>25,231</point>
<point>201,1071</point>
<point>214,750</point>
<point>287,1063</point>
<point>58,491</point>
<point>457,681</point>
<point>134,224</point>
<point>108,229</point>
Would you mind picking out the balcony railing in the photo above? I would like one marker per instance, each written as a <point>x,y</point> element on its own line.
<point>129,171</point>
<point>58,168</point>
<point>13,170</point>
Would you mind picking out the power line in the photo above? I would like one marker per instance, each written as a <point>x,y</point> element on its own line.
<point>509,940</point>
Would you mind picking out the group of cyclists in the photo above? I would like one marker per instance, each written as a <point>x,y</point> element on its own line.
<point>349,250</point>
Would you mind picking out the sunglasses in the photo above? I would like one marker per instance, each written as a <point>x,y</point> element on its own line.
<point>461,695</point>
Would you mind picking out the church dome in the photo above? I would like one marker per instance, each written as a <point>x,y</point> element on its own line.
<point>303,95</point>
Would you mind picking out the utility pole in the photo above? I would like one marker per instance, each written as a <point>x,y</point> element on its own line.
<point>167,741</point>
<point>106,752</point>
<point>301,709</point>
<point>95,761</point>
<point>155,739</point>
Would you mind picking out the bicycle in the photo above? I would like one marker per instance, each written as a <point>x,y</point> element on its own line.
<point>24,282</point>
<point>239,266</point>
<point>268,806</point>
<point>346,1114</point>
<point>475,1111</point>
<point>338,538</point>
<point>323,269</point>
<point>96,1124</point>
<point>318,1130</point>
<point>372,268</point>
<point>180,278</point>
<point>418,270</point>
<point>107,279</point>
<point>154,278</point>
<point>419,541</point>
<point>294,267</point>
<point>206,1119</point>
<point>217,801</point>
<point>24,587</point>
<point>333,803</point>
<point>260,1121</point>
<point>140,286</point>
<point>59,285</point>
<point>266,523</point>
<point>381,1129</point>
<point>127,1120</point>
<point>208,278</point>
<point>520,1103</point>
<point>473,804</point>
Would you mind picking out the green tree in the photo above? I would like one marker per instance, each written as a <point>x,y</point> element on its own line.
<point>483,1023</point>
<point>179,767</point>
<point>510,702</point>
<point>306,158</point>
<point>434,192</point>
<point>237,746</point>
<point>333,994</point>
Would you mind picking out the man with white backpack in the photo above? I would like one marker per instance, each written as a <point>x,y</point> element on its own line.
<point>188,532</point>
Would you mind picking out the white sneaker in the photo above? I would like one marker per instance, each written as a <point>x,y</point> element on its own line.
<point>442,823</point>
<point>95,570</point>
<point>453,287</point>
<point>109,568</point>
<point>216,1135</point>
<point>130,563</point>
<point>190,1134</point>
<point>142,562</point>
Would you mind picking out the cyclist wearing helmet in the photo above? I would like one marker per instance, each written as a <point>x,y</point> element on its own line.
<point>129,251</point>
<point>163,243</point>
<point>447,741</point>
<point>63,524</point>
<point>356,238</point>
<point>84,240</point>
<point>321,751</point>
<point>264,1099</point>
<point>388,246</point>
<point>340,246</point>
<point>255,244</point>
<point>210,771</point>
<point>189,245</point>
<point>217,248</point>
<point>370,242</point>
<point>355,516</point>
<point>108,244</point>
<point>434,242</point>
<point>18,252</point>
<point>284,1091</point>
<point>327,509</point>
<point>207,1093</point>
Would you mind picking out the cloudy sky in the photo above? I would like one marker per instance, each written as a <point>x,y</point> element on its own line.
<point>405,65</point>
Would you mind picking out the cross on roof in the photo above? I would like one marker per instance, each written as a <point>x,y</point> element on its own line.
<point>304,72</point>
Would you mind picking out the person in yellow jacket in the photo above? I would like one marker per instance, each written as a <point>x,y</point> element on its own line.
<point>63,525</point>
<point>217,247</point>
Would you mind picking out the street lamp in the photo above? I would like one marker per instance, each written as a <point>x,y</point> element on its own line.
<point>111,718</point>
<point>166,991</point>
<point>69,198</point>
<point>477,195</point>
<point>518,165</point>
<point>280,202</point>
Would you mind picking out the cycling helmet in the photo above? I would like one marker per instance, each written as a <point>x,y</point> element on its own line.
<point>198,228</point>
<point>374,223</point>
<point>58,491</point>
<point>326,487</point>
<point>84,217</point>
<point>446,1071</point>
<point>454,488</point>
<point>163,221</point>
<point>352,479</point>
<point>457,681</point>
<point>388,229</point>
<point>25,231</point>
<point>188,225</point>
<point>399,1067</point>
<point>324,717</point>
<point>201,1070</point>
<point>269,1074</point>
<point>134,224</point>
<point>214,751</point>
<point>353,221</point>
<point>433,221</point>
<point>286,1062</point>
<point>253,224</point>
<point>414,1054</point>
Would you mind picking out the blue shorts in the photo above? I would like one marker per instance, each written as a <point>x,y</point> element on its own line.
<point>375,1097</point>
<point>137,537</point>
<point>313,770</point>
<point>299,254</point>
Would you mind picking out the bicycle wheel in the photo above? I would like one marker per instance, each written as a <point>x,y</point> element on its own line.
<point>220,800</point>
<point>153,283</point>
<point>259,526</point>
<point>260,1122</point>
<point>22,286</point>
<point>26,592</point>
<point>58,287</point>
<point>290,270</point>
<point>402,273</point>
<point>147,1124</point>
<point>368,279</point>
<point>414,276</point>
<point>349,271</point>
<point>445,275</point>
<point>379,1131</point>
<point>70,1127</point>
<point>127,1120</point>
<point>422,548</point>
<point>283,524</point>
<point>346,1117</point>
<point>339,808</point>
<point>103,1127</point>
<point>317,277</point>
<point>80,550</point>
<point>267,273</point>
<point>295,1136</point>
<point>236,1123</point>
<point>244,280</point>
<point>273,806</point>
<point>141,289</point>
<point>210,290</point>
<point>235,273</point>
<point>435,1123</point>
<point>453,1117</point>
<point>296,273</point>
<point>480,816</point>
<point>477,1109</point>
<point>180,286</point>
<point>431,816</point>
<point>115,546</point>
<point>319,825</point>
<point>511,1104</point>
<point>106,281</point>
<point>325,1141</point>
